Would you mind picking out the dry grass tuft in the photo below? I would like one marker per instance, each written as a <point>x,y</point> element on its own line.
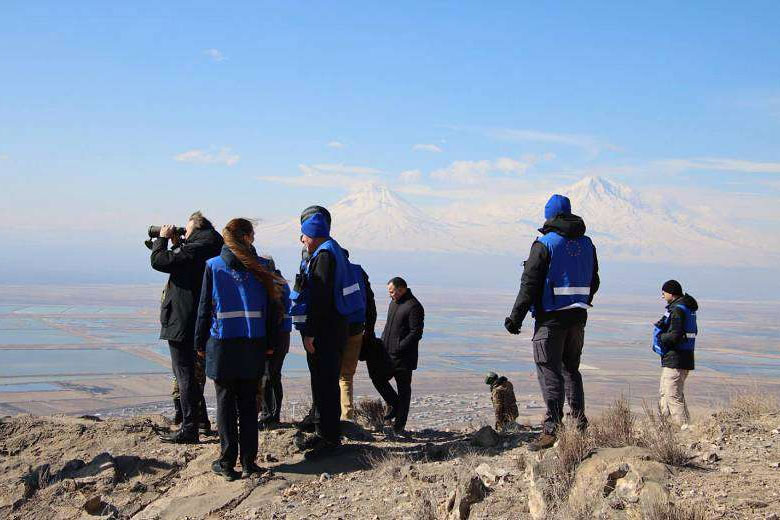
<point>423,507</point>
<point>386,464</point>
<point>616,427</point>
<point>665,510</point>
<point>661,437</point>
<point>751,403</point>
<point>572,448</point>
<point>371,412</point>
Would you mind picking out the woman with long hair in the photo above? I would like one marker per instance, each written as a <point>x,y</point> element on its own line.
<point>239,310</point>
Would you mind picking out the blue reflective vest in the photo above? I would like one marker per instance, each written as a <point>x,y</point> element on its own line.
<point>359,316</point>
<point>286,303</point>
<point>286,324</point>
<point>239,300</point>
<point>346,287</point>
<point>299,298</point>
<point>690,328</point>
<point>569,274</point>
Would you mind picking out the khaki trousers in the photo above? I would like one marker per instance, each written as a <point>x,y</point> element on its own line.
<point>673,394</point>
<point>349,362</point>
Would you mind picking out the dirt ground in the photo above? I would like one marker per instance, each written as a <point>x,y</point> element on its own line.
<point>63,467</point>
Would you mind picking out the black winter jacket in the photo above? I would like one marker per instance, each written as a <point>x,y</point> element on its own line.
<point>185,265</point>
<point>235,358</point>
<point>403,331</point>
<point>323,320</point>
<point>675,333</point>
<point>535,273</point>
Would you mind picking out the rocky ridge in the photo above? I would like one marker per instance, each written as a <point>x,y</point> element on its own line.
<point>65,467</point>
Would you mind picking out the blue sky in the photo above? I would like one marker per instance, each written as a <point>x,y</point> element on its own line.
<point>112,116</point>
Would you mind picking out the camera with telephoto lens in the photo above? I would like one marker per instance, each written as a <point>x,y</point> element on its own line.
<point>154,232</point>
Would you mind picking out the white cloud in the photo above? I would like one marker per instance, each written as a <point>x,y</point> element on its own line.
<point>474,172</point>
<point>410,176</point>
<point>427,148</point>
<point>215,54</point>
<point>335,144</point>
<point>210,156</point>
<point>720,164</point>
<point>592,145</point>
<point>344,168</point>
<point>326,176</point>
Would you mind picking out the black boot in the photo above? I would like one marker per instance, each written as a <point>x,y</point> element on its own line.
<point>178,417</point>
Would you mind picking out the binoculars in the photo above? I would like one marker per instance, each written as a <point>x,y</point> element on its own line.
<point>154,232</point>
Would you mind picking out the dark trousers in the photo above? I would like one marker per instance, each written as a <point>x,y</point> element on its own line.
<point>380,372</point>
<point>273,391</point>
<point>325,367</point>
<point>557,353</point>
<point>183,364</point>
<point>237,421</point>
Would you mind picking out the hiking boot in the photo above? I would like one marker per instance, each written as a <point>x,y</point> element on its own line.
<point>230,474</point>
<point>389,413</point>
<point>307,424</point>
<point>544,442</point>
<point>204,428</point>
<point>251,469</point>
<point>180,437</point>
<point>322,448</point>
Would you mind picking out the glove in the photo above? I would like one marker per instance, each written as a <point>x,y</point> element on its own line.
<point>510,326</point>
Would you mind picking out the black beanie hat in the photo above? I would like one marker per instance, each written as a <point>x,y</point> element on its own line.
<point>672,287</point>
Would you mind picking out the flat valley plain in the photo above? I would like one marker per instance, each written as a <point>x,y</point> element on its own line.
<point>95,350</point>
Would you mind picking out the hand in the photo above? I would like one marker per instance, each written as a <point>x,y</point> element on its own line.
<point>510,326</point>
<point>166,231</point>
<point>201,354</point>
<point>308,344</point>
<point>661,324</point>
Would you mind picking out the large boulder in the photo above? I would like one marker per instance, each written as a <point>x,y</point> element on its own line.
<point>621,477</point>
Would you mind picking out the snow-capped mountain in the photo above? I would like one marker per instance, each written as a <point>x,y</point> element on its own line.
<point>373,217</point>
<point>623,224</point>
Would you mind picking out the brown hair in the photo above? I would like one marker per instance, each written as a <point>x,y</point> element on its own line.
<point>234,234</point>
<point>200,221</point>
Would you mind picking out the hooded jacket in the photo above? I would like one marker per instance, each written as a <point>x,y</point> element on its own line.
<point>674,335</point>
<point>234,358</point>
<point>535,273</point>
<point>185,265</point>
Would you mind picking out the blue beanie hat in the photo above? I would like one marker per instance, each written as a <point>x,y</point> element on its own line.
<point>316,226</point>
<point>557,205</point>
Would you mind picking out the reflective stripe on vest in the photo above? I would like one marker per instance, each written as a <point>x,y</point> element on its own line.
<point>239,314</point>
<point>352,288</point>
<point>239,302</point>
<point>569,291</point>
<point>347,295</point>
<point>569,273</point>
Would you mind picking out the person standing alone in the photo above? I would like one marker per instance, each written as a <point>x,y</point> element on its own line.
<point>559,280</point>
<point>400,341</point>
<point>674,339</point>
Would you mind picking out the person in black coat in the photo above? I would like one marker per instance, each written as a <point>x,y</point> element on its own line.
<point>240,307</point>
<point>185,263</point>
<point>324,338</point>
<point>676,362</point>
<point>400,343</point>
<point>559,333</point>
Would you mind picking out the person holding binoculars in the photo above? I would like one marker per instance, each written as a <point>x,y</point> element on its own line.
<point>184,261</point>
